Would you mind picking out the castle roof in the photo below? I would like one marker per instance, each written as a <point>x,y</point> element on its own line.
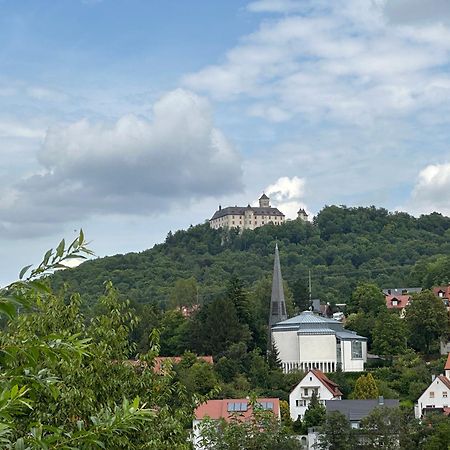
<point>240,211</point>
<point>264,197</point>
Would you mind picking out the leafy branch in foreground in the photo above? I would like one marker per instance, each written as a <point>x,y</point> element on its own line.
<point>65,380</point>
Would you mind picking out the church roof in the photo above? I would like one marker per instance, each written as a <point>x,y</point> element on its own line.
<point>240,211</point>
<point>309,323</point>
<point>277,302</point>
<point>308,317</point>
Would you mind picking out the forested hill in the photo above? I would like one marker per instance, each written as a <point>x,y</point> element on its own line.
<point>342,247</point>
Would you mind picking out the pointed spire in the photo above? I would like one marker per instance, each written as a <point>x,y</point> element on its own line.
<point>277,302</point>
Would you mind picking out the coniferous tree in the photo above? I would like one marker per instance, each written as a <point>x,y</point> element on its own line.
<point>365,387</point>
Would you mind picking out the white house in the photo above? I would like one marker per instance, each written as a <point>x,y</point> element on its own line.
<point>315,381</point>
<point>309,341</point>
<point>437,395</point>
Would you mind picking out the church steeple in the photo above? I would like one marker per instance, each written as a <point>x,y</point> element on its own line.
<point>277,303</point>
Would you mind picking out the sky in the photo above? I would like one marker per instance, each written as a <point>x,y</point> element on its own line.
<point>130,118</point>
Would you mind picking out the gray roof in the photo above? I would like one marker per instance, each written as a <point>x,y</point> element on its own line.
<point>240,211</point>
<point>309,323</point>
<point>277,302</point>
<point>355,410</point>
<point>400,291</point>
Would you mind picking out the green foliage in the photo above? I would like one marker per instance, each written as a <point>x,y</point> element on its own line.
<point>365,387</point>
<point>343,247</point>
<point>65,380</point>
<point>367,299</point>
<point>427,321</point>
<point>336,433</point>
<point>389,335</point>
<point>184,293</point>
<point>314,414</point>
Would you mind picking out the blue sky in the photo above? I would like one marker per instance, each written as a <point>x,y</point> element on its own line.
<point>132,118</point>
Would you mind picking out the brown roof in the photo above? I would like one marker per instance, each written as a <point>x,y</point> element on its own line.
<point>444,380</point>
<point>330,385</point>
<point>219,409</point>
<point>444,289</point>
<point>161,361</point>
<point>403,301</point>
<point>447,364</point>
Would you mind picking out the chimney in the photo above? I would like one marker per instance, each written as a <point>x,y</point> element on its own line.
<point>381,400</point>
<point>220,207</point>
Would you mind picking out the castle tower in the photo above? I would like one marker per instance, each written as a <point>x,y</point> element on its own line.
<point>264,201</point>
<point>277,303</point>
<point>302,215</point>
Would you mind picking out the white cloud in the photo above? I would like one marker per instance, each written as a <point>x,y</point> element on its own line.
<point>432,190</point>
<point>343,61</point>
<point>133,166</point>
<point>277,6</point>
<point>18,130</point>
<point>287,194</point>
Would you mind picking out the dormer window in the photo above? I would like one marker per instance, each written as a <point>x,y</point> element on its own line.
<point>394,302</point>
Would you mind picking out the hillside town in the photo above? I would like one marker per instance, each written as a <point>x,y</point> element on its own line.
<point>225,225</point>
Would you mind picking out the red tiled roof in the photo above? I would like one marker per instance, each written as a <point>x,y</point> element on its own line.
<point>444,289</point>
<point>160,361</point>
<point>330,385</point>
<point>447,364</point>
<point>444,380</point>
<point>403,301</point>
<point>218,409</point>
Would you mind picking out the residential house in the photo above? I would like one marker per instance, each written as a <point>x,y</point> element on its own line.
<point>402,291</point>
<point>443,292</point>
<point>436,397</point>
<point>315,381</point>
<point>356,410</point>
<point>227,409</point>
<point>398,303</point>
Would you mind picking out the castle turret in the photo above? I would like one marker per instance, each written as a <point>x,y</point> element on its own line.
<point>302,215</point>
<point>277,302</point>
<point>264,201</point>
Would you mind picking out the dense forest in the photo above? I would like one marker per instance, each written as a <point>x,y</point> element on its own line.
<point>341,247</point>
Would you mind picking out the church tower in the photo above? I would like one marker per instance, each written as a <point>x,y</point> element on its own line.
<point>277,303</point>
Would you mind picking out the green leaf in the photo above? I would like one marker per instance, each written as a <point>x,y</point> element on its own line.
<point>24,271</point>
<point>60,249</point>
<point>47,256</point>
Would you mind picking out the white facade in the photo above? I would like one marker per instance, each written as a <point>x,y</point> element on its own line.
<point>300,397</point>
<point>437,395</point>
<point>309,341</point>
<point>247,218</point>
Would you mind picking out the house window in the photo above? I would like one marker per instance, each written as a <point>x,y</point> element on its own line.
<point>394,302</point>
<point>237,407</point>
<point>444,394</point>
<point>300,403</point>
<point>305,391</point>
<point>431,394</point>
<point>356,350</point>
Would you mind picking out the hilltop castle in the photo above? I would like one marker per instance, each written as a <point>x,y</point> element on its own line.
<point>247,217</point>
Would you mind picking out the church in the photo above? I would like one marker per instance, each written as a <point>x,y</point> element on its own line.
<point>309,341</point>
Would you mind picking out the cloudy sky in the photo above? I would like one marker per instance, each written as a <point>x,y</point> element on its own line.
<point>130,118</point>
